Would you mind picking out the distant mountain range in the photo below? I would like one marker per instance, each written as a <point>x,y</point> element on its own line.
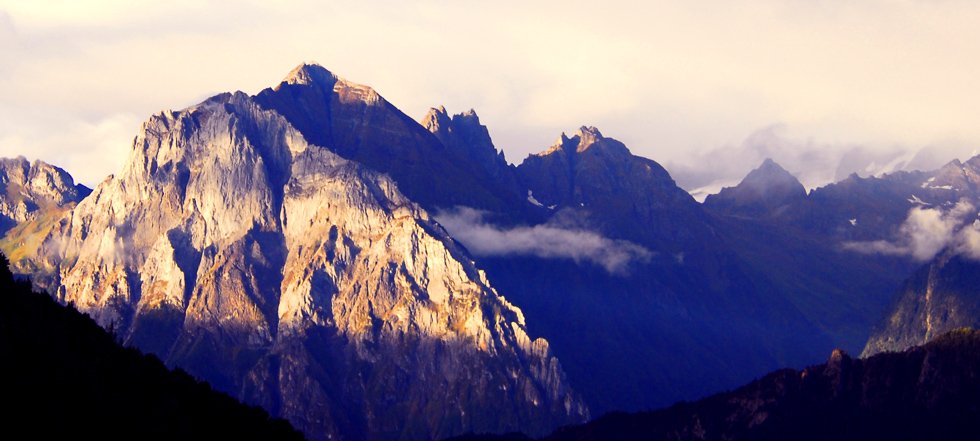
<point>313,250</point>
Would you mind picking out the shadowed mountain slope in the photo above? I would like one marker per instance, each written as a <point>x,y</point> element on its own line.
<point>356,123</point>
<point>766,191</point>
<point>944,294</point>
<point>718,299</point>
<point>926,392</point>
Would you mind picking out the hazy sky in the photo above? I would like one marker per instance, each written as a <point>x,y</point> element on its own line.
<point>707,88</point>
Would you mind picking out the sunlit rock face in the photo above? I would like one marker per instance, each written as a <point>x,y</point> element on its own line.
<point>33,198</point>
<point>233,247</point>
<point>29,191</point>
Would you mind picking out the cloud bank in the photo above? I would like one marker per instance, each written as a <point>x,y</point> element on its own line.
<point>928,231</point>
<point>669,79</point>
<point>814,163</point>
<point>467,226</point>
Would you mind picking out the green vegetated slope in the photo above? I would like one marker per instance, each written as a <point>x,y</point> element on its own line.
<point>62,376</point>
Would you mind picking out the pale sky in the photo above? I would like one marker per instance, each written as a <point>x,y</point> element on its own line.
<point>706,88</point>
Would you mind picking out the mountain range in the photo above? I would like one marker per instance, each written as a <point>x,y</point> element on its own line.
<point>313,250</point>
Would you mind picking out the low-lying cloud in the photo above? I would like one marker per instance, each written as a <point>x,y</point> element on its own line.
<point>928,231</point>
<point>482,239</point>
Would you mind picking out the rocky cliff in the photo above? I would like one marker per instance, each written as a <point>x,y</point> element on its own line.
<point>260,259</point>
<point>30,191</point>
<point>944,294</point>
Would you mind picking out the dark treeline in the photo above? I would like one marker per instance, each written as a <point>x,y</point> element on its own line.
<point>62,376</point>
<point>928,392</point>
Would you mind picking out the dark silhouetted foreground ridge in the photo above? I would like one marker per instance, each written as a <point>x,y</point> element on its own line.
<point>926,392</point>
<point>64,377</point>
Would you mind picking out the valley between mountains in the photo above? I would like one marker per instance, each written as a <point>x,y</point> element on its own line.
<point>314,251</point>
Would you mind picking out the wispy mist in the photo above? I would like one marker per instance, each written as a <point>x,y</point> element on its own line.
<point>482,239</point>
<point>928,231</point>
<point>814,163</point>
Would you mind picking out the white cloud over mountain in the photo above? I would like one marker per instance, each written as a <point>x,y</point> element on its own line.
<point>482,239</point>
<point>928,231</point>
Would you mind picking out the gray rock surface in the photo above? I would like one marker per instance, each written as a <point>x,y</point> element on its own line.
<point>29,191</point>
<point>296,279</point>
<point>943,295</point>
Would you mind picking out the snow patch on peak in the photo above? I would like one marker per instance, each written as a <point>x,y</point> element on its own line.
<point>530,198</point>
<point>915,200</point>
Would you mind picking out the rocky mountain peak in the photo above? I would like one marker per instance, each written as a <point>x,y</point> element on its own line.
<point>469,145</point>
<point>471,121</point>
<point>587,136</point>
<point>957,176</point>
<point>250,252</point>
<point>582,140</point>
<point>356,123</point>
<point>441,124</point>
<point>468,115</point>
<point>770,180</point>
<point>953,169</point>
<point>310,74</point>
<point>558,145</point>
<point>591,173</point>
<point>764,192</point>
<point>438,122</point>
<point>29,191</point>
<point>14,170</point>
<point>349,92</point>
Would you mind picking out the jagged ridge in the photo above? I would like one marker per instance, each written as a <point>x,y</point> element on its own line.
<point>926,392</point>
<point>296,279</point>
